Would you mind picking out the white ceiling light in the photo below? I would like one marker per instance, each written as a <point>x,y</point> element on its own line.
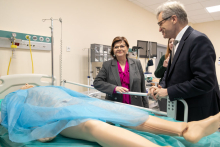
<point>213,9</point>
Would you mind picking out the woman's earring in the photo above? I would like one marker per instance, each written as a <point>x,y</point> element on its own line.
<point>113,55</point>
<point>127,53</point>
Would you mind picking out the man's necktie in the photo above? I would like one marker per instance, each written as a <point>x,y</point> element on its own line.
<point>173,50</point>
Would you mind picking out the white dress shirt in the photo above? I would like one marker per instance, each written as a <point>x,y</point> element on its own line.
<point>179,37</point>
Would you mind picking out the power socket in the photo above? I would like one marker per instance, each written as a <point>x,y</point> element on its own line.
<point>68,49</point>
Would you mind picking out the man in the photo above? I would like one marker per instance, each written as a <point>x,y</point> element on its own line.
<point>191,71</point>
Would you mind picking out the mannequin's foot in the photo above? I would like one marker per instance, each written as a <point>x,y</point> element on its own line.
<point>46,139</point>
<point>199,129</point>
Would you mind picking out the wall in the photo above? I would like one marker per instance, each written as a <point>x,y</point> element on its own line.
<point>84,22</point>
<point>212,29</point>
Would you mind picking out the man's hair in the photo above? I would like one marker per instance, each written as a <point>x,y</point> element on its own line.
<point>170,8</point>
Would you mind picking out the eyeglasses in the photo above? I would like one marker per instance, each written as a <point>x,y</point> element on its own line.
<point>160,23</point>
<point>121,47</point>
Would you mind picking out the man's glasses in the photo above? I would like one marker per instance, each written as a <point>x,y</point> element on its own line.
<point>161,22</point>
<point>121,47</point>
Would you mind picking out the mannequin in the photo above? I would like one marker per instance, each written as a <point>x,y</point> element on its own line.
<point>108,135</point>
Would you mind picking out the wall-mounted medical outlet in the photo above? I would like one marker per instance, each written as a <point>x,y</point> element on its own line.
<point>68,49</point>
<point>22,41</point>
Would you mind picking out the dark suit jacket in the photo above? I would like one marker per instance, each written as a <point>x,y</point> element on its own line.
<point>192,76</point>
<point>108,78</point>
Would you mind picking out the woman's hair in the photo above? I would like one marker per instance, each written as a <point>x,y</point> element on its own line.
<point>116,40</point>
<point>168,49</point>
<point>170,8</point>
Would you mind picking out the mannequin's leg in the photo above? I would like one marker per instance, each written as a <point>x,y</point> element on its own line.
<point>157,125</point>
<point>198,129</point>
<point>106,135</point>
<point>192,131</point>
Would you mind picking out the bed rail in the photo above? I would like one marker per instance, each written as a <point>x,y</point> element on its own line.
<point>11,83</point>
<point>171,105</point>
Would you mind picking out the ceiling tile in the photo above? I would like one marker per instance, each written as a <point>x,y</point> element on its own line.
<point>217,17</point>
<point>191,20</point>
<point>204,20</point>
<point>154,7</point>
<point>185,2</point>
<point>202,0</point>
<point>210,3</point>
<point>200,16</point>
<point>149,9</point>
<point>194,6</point>
<point>151,2</point>
<point>138,3</point>
<point>215,14</point>
<point>197,12</point>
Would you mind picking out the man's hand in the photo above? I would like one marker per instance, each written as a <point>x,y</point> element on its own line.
<point>151,92</point>
<point>121,89</point>
<point>160,93</point>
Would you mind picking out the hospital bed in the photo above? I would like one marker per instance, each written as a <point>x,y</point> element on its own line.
<point>14,82</point>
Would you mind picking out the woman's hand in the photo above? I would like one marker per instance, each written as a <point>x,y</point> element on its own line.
<point>121,89</point>
<point>165,62</point>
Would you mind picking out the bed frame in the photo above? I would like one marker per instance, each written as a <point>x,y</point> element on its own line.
<point>11,83</point>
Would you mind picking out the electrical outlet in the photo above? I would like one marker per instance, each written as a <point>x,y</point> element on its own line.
<point>68,49</point>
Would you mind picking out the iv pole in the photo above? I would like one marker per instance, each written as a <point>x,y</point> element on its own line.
<point>52,44</point>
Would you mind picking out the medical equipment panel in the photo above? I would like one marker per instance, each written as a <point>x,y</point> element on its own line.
<point>21,40</point>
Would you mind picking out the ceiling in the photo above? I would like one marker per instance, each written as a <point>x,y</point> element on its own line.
<point>195,8</point>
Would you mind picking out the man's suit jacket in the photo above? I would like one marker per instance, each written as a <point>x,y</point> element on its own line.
<point>192,76</point>
<point>108,78</point>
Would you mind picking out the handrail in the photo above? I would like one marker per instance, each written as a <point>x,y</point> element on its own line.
<point>138,94</point>
<point>130,93</point>
<point>185,110</point>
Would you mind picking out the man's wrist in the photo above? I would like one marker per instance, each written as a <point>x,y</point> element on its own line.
<point>166,92</point>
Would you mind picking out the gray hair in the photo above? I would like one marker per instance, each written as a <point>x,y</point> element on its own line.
<point>170,8</point>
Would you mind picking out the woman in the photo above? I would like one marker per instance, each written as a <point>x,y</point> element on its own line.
<point>44,112</point>
<point>161,69</point>
<point>122,74</point>
<point>163,63</point>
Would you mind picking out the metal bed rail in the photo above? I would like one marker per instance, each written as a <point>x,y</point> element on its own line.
<point>171,106</point>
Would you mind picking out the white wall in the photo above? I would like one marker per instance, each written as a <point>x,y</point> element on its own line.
<point>212,30</point>
<point>84,22</point>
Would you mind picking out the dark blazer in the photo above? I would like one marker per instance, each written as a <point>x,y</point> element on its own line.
<point>108,78</point>
<point>192,76</point>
